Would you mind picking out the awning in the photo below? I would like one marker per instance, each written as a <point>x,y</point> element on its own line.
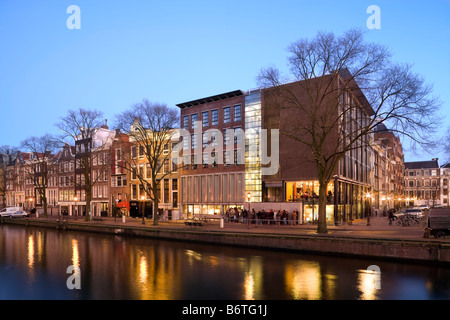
<point>277,184</point>
<point>123,204</point>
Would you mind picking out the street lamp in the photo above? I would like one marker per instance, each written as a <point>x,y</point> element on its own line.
<point>76,206</point>
<point>249,198</point>
<point>30,200</point>
<point>368,204</point>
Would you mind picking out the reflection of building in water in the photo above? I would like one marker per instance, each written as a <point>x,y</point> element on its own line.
<point>30,251</point>
<point>253,279</point>
<point>251,269</point>
<point>157,273</point>
<point>303,280</point>
<point>369,284</point>
<point>75,256</point>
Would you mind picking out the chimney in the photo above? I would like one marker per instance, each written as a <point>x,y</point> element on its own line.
<point>105,126</point>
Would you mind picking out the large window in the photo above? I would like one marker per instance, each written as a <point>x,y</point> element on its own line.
<point>194,120</point>
<point>214,117</point>
<point>186,122</point>
<point>237,113</point>
<point>205,119</point>
<point>226,115</point>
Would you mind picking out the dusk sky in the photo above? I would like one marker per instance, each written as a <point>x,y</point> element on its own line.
<point>177,51</point>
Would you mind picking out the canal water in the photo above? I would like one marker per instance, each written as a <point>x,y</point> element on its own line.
<point>51,264</point>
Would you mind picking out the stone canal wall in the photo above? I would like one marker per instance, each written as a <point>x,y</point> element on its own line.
<point>377,248</point>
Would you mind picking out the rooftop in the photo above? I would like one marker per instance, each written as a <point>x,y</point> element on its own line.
<point>433,164</point>
<point>217,97</point>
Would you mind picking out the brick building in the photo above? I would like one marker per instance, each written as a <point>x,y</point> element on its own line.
<point>212,178</point>
<point>297,177</point>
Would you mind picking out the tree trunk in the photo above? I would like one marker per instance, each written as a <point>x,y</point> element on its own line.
<point>44,201</point>
<point>88,206</point>
<point>155,211</point>
<point>322,221</point>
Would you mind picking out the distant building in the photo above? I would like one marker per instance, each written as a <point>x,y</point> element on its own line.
<point>444,186</point>
<point>120,177</point>
<point>423,182</point>
<point>389,169</point>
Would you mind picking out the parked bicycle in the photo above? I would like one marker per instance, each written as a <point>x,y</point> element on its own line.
<point>407,221</point>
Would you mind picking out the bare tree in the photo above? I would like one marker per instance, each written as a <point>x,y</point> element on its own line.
<point>330,70</point>
<point>37,167</point>
<point>79,128</point>
<point>151,130</point>
<point>7,154</point>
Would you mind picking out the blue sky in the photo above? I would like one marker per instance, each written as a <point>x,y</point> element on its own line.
<point>176,51</point>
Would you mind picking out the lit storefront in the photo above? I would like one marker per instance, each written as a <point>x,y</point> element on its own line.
<point>346,201</point>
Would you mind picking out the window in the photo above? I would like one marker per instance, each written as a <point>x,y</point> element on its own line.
<point>166,191</point>
<point>186,122</point>
<point>133,152</point>
<point>194,141</point>
<point>134,192</point>
<point>133,172</point>
<point>148,171</point>
<point>226,115</point>
<point>238,157</point>
<point>166,149</point>
<point>226,158</point>
<point>227,136</point>
<point>194,119</point>
<point>237,113</point>
<point>205,160</point>
<point>237,135</point>
<point>194,161</point>
<point>205,139</point>
<point>214,134</point>
<point>214,117</point>
<point>174,164</point>
<point>205,119</point>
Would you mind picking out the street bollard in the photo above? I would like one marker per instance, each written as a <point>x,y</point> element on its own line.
<point>123,218</point>
<point>221,222</point>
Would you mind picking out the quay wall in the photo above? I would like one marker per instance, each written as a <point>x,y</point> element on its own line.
<point>421,251</point>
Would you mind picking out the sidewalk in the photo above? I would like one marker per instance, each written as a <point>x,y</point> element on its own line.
<point>379,228</point>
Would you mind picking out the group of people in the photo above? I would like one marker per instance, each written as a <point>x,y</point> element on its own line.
<point>274,217</point>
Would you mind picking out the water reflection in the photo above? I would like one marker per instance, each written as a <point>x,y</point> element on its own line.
<point>369,284</point>
<point>30,251</point>
<point>112,267</point>
<point>303,280</point>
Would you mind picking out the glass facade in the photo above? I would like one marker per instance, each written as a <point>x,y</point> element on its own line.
<point>253,183</point>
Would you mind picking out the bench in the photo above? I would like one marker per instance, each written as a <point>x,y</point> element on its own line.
<point>97,219</point>
<point>193,222</point>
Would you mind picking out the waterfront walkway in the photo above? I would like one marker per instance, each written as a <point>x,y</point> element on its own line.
<point>375,240</point>
<point>378,228</point>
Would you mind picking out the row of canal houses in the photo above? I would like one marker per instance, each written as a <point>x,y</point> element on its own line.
<point>210,187</point>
